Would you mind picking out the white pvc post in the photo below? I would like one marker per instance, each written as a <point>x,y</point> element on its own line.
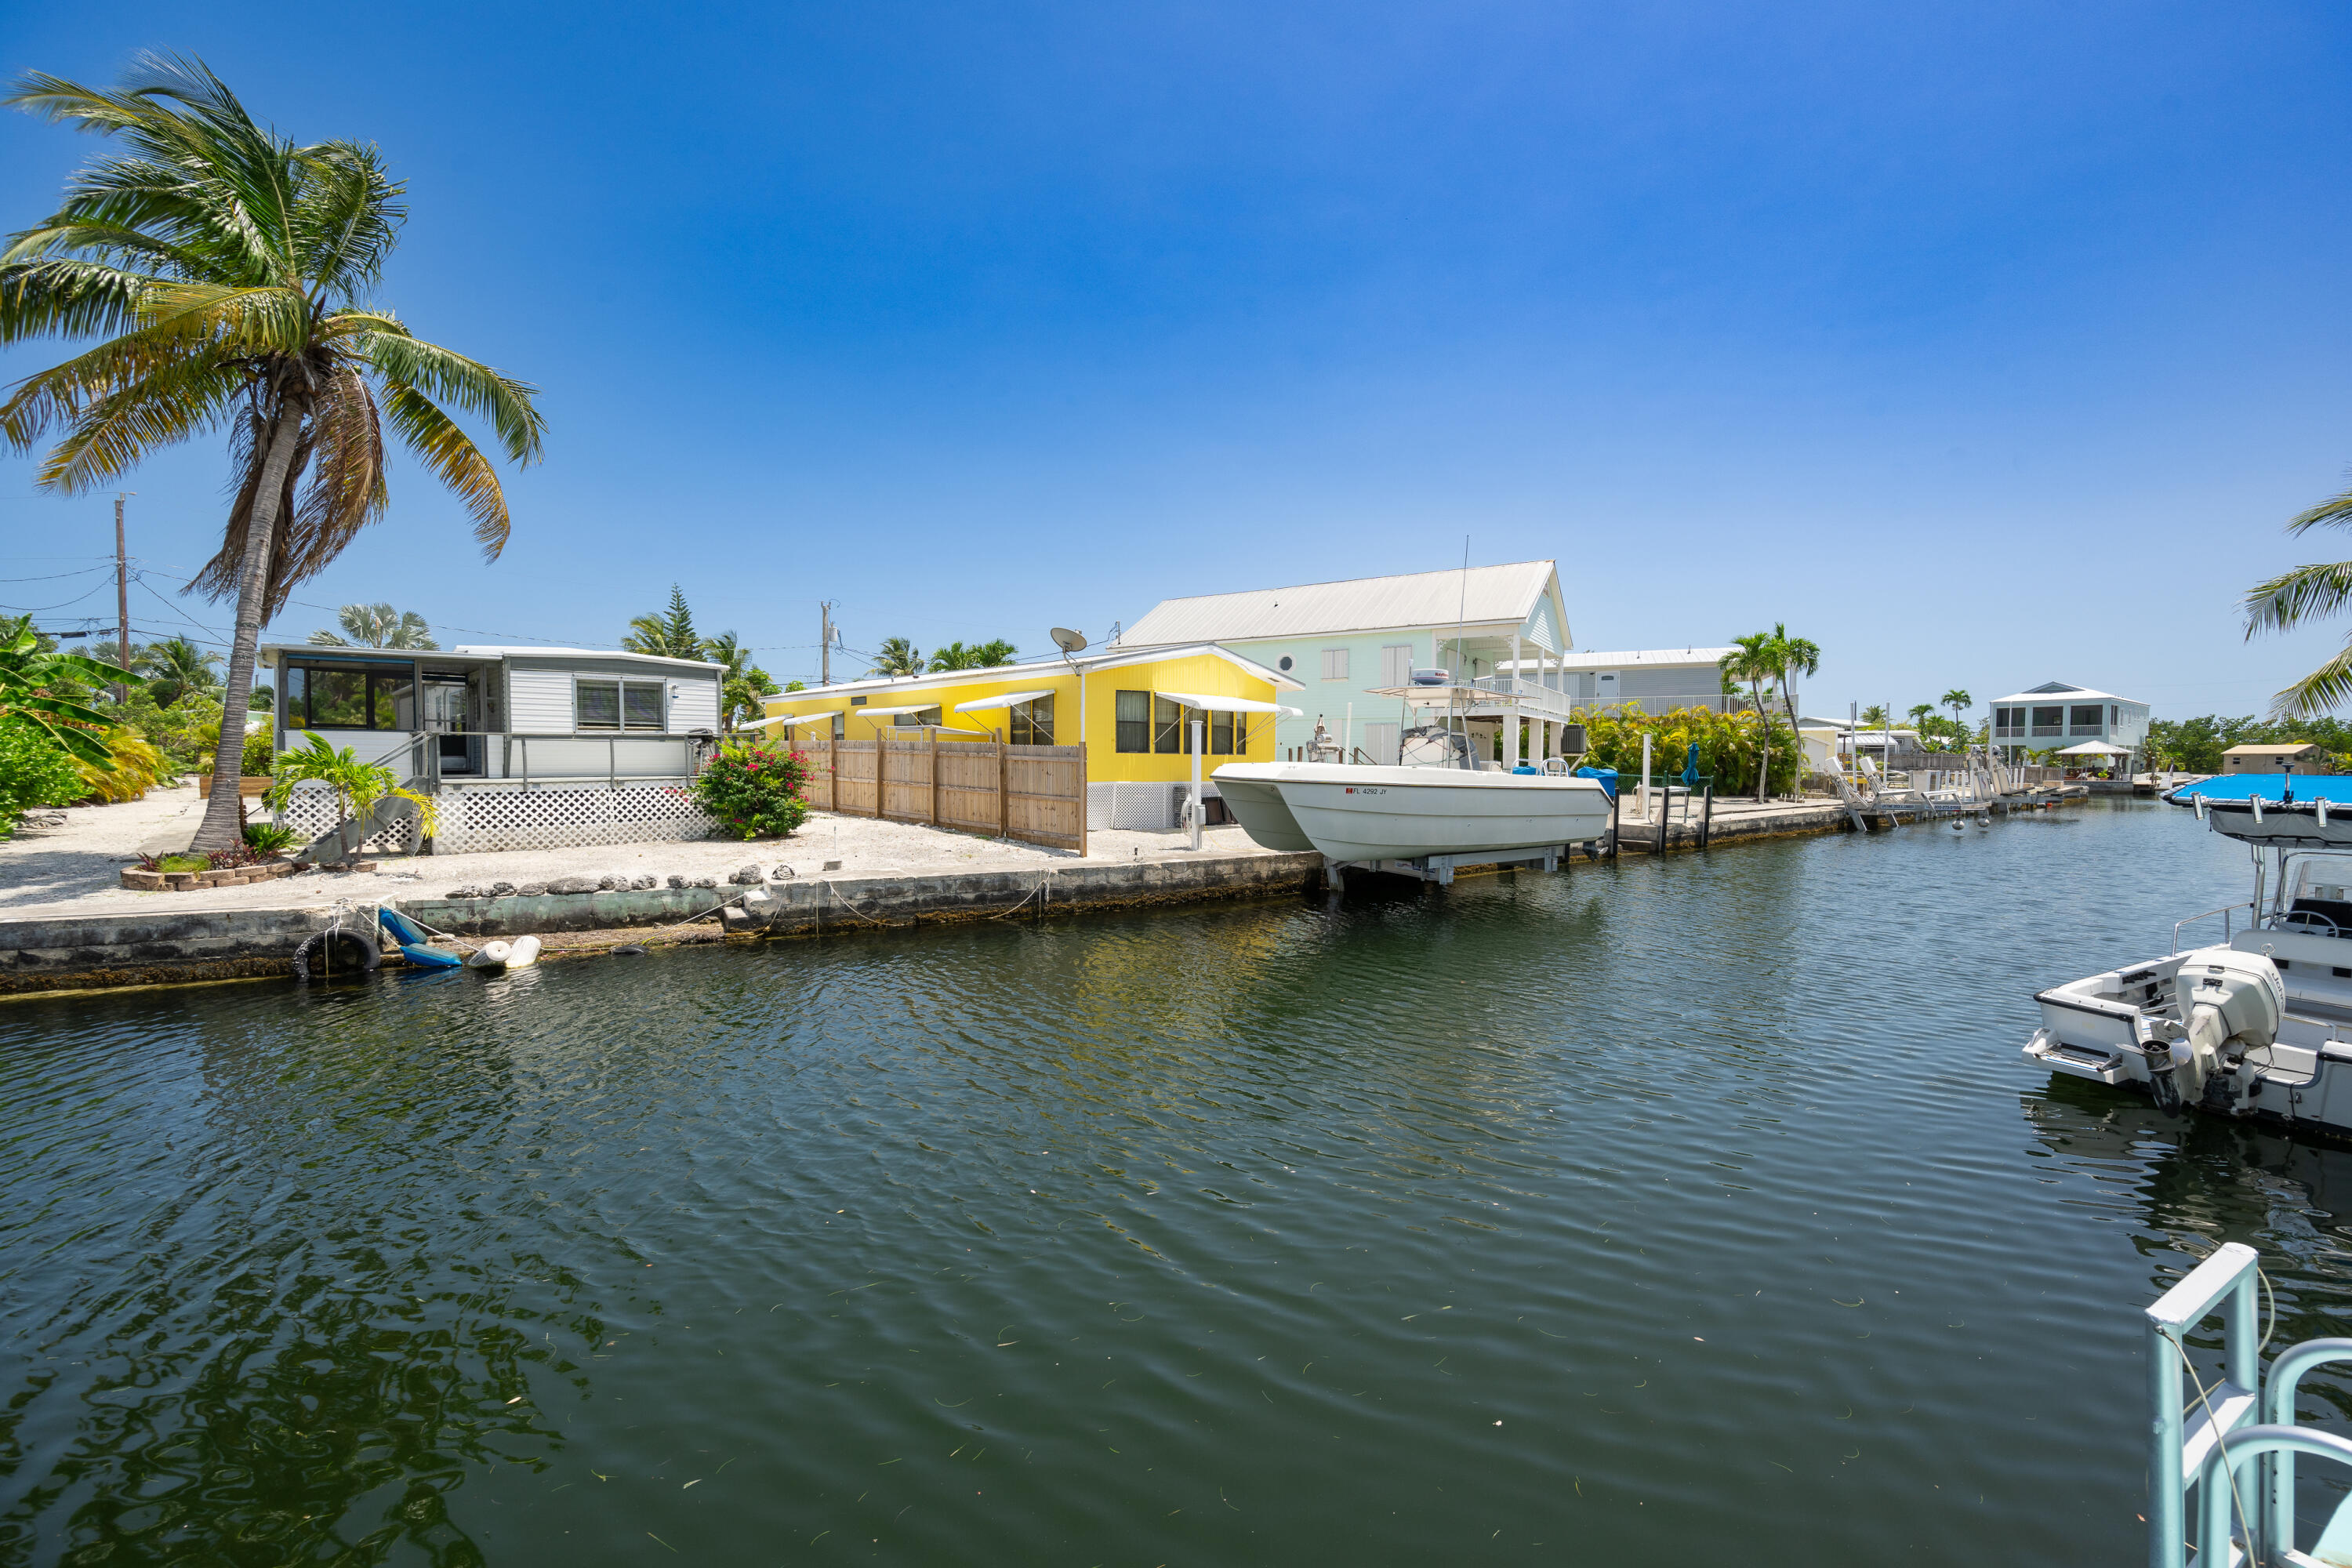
<point>1197,726</point>
<point>1645,775</point>
<point>1347,735</point>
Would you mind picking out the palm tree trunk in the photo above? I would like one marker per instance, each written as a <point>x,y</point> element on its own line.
<point>1763,744</point>
<point>1794,733</point>
<point>221,828</point>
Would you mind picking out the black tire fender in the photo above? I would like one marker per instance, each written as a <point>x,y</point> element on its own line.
<point>329,952</point>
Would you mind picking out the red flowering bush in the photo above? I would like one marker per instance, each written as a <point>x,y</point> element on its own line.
<point>754,790</point>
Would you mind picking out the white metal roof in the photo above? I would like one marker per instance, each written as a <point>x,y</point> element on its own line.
<point>1633,659</point>
<point>1227,704</point>
<point>1481,596</point>
<point>498,652</point>
<point>1002,699</point>
<point>2059,692</point>
<point>1044,668</point>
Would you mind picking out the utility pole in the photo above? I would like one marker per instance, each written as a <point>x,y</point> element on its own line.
<point>121,596</point>
<point>824,641</point>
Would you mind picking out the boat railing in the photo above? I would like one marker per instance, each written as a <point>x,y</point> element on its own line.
<point>2185,1434</point>
<point>2227,924</point>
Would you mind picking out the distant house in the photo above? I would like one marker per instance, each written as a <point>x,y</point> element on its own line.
<point>1501,629</point>
<point>1654,680</point>
<point>2303,757</point>
<point>2052,717</point>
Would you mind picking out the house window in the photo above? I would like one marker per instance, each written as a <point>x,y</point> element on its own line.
<point>1228,734</point>
<point>1133,712</point>
<point>1032,722</point>
<point>332,697</point>
<point>1168,726</point>
<point>2050,721</point>
<point>1396,666</point>
<point>616,704</point>
<point>1335,664</point>
<point>2087,718</point>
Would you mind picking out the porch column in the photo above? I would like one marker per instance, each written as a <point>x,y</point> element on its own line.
<point>1511,752</point>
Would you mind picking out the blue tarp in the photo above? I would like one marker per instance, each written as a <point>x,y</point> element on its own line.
<point>2332,787</point>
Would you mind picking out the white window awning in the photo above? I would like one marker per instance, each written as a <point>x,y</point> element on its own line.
<point>1226,704</point>
<point>786,719</point>
<point>892,712</point>
<point>1005,699</point>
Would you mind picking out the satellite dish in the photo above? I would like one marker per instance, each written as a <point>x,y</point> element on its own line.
<point>1069,641</point>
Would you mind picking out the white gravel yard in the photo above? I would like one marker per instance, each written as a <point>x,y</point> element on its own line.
<point>50,871</point>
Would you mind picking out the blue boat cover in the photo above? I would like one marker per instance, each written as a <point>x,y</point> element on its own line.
<point>430,957</point>
<point>403,930</point>
<point>2330,787</point>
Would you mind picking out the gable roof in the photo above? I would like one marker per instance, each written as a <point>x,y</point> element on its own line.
<point>2060,689</point>
<point>1483,596</point>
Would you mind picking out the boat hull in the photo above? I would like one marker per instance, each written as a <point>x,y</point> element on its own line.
<point>1257,806</point>
<point>1352,813</point>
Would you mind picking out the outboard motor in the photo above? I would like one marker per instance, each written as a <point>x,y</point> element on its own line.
<point>2229,1002</point>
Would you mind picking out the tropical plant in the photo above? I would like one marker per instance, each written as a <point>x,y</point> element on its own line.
<point>357,786</point>
<point>742,684</point>
<point>1919,715</point>
<point>1790,658</point>
<point>270,838</point>
<point>176,667</point>
<point>668,634</point>
<point>263,698</point>
<point>138,766</point>
<point>1755,660</point>
<point>223,268</point>
<point>32,680</point>
<point>1874,717</point>
<point>34,771</point>
<point>980,655</point>
<point>377,626</point>
<point>897,656</point>
<point>2308,594</point>
<point>1732,747</point>
<point>1959,702</point>
<point>754,790</point>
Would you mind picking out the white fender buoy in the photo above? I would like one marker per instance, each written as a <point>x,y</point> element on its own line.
<point>522,952</point>
<point>490,956</point>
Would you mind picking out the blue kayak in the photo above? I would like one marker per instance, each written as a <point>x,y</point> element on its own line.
<point>412,941</point>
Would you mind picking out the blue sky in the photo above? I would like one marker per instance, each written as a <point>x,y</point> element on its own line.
<point>1984,344</point>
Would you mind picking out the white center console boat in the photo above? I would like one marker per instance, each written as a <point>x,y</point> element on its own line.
<point>2259,1023</point>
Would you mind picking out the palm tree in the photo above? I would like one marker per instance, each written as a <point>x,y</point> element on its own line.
<point>2308,594</point>
<point>897,656</point>
<point>175,668</point>
<point>1959,702</point>
<point>378,625</point>
<point>1874,717</point>
<point>225,269</point>
<point>1918,713</point>
<point>743,684</point>
<point>1795,657</point>
<point>980,655</point>
<point>667,635</point>
<point>1755,660</point>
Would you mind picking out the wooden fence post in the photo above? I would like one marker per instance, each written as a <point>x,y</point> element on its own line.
<point>1003,789</point>
<point>881,750</point>
<point>935,778</point>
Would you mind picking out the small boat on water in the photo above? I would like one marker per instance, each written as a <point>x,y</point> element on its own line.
<point>1353,811</point>
<point>2260,1023</point>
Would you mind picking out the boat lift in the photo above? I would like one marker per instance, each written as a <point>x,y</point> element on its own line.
<point>2230,1446</point>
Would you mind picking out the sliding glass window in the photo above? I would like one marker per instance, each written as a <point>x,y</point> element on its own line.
<point>349,696</point>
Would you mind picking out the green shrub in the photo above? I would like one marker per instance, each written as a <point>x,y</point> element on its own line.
<point>185,863</point>
<point>754,790</point>
<point>1727,746</point>
<point>34,771</point>
<point>269,838</point>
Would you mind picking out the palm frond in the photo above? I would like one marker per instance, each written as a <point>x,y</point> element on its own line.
<point>116,433</point>
<point>2334,512</point>
<point>246,321</point>
<point>347,487</point>
<point>348,217</point>
<point>453,458</point>
<point>2327,687</point>
<point>68,296</point>
<point>469,385</point>
<point>2293,597</point>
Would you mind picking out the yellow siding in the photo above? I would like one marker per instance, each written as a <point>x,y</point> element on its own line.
<point>1200,674</point>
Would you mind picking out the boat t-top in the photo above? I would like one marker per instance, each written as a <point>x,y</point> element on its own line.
<point>2259,1023</point>
<point>1436,806</point>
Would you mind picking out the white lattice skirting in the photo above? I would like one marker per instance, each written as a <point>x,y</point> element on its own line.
<point>311,812</point>
<point>478,821</point>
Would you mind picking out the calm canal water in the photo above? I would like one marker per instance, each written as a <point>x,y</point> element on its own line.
<point>1694,1210</point>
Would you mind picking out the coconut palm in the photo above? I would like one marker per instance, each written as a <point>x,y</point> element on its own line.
<point>227,272</point>
<point>742,685</point>
<point>666,634</point>
<point>897,656</point>
<point>378,625</point>
<point>2308,594</point>
<point>980,655</point>
<point>1874,717</point>
<point>176,668</point>
<point>1793,657</point>
<point>1755,660</point>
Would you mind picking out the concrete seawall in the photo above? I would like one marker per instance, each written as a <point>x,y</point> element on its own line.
<point>168,947</point>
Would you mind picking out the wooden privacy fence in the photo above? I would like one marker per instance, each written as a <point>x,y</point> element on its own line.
<point>1034,794</point>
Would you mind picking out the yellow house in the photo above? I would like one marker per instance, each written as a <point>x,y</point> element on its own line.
<point>1132,708</point>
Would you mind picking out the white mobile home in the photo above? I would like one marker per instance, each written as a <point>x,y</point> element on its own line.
<point>615,734</point>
